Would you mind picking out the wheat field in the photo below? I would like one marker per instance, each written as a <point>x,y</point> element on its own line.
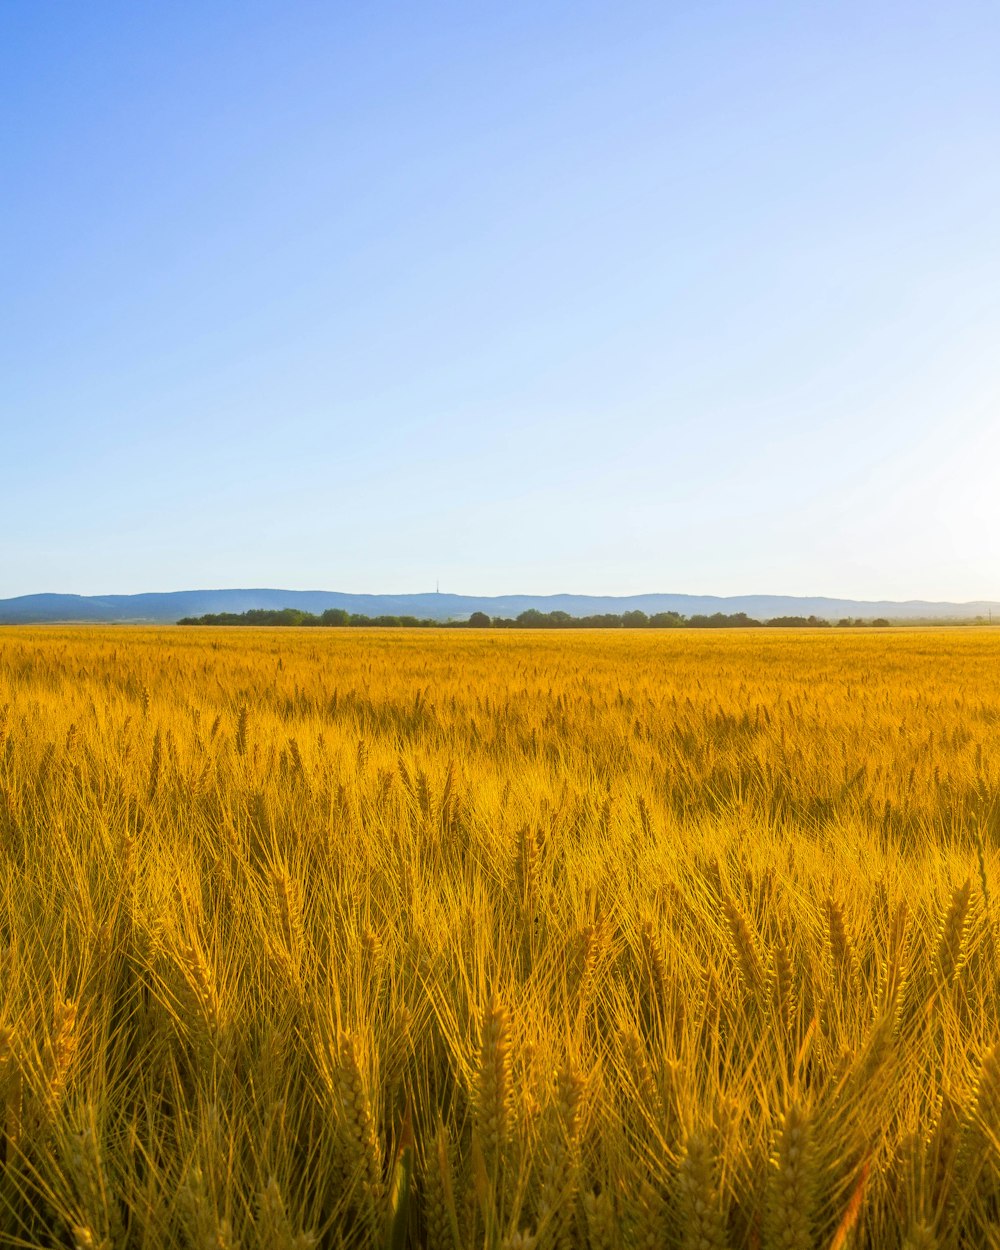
<point>452,939</point>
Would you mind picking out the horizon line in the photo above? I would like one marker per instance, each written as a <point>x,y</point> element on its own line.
<point>516,594</point>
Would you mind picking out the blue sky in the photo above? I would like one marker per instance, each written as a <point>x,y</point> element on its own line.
<point>526,297</point>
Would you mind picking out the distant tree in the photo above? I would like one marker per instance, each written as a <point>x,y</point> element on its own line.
<point>531,618</point>
<point>603,620</point>
<point>881,621</point>
<point>719,620</point>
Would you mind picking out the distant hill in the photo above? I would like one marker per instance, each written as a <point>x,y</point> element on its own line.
<point>170,606</point>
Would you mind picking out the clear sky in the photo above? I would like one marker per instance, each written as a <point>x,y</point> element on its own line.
<point>535,297</point>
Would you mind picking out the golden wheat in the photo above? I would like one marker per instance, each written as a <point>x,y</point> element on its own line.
<point>444,939</point>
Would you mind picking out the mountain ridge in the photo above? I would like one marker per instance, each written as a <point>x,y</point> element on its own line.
<point>163,607</point>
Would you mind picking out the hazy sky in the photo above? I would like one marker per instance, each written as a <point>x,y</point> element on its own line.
<point>526,297</point>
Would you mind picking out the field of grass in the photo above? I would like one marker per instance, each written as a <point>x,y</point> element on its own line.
<point>446,940</point>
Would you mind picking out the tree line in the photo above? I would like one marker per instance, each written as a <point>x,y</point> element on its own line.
<point>530,619</point>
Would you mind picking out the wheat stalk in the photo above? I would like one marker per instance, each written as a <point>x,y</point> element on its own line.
<point>702,1222</point>
<point>744,946</point>
<point>951,936</point>
<point>790,1199</point>
<point>364,1154</point>
<point>493,1084</point>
